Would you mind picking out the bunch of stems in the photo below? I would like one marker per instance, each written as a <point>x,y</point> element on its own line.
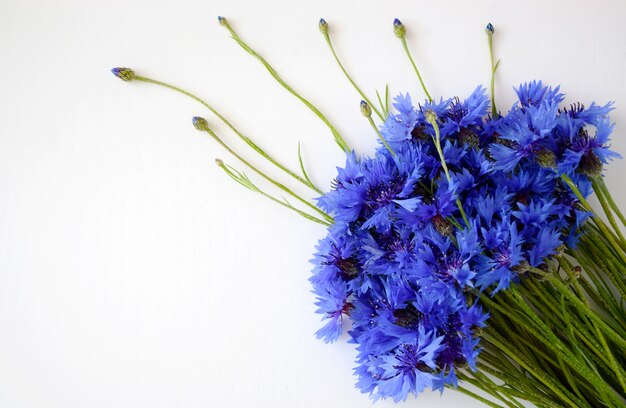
<point>558,338</point>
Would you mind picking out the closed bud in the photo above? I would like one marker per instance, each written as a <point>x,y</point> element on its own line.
<point>489,29</point>
<point>222,20</point>
<point>200,123</point>
<point>366,109</point>
<point>323,26</point>
<point>398,28</point>
<point>125,74</point>
<point>219,162</point>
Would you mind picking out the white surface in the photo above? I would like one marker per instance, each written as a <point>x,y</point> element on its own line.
<point>133,273</point>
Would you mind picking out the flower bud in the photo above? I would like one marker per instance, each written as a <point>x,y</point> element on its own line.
<point>219,162</point>
<point>489,29</point>
<point>200,123</point>
<point>366,109</point>
<point>323,26</point>
<point>398,28</point>
<point>125,74</point>
<point>222,20</point>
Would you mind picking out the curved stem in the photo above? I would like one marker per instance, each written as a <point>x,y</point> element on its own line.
<point>597,220</point>
<point>437,141</point>
<point>600,194</point>
<point>609,198</point>
<point>325,216</point>
<point>382,139</point>
<point>408,54</point>
<point>494,67</point>
<point>338,139</point>
<point>247,140</point>
<point>242,179</point>
<point>356,87</point>
<point>477,397</point>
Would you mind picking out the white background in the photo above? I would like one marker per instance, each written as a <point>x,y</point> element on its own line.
<point>133,272</point>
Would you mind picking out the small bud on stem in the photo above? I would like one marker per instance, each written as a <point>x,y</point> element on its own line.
<point>323,26</point>
<point>489,29</point>
<point>366,110</point>
<point>399,29</point>
<point>125,74</point>
<point>200,123</point>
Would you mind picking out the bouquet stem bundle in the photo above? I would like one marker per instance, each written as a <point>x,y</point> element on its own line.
<point>561,340</point>
<point>556,335</point>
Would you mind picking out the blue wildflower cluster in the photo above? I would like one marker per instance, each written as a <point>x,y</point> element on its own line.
<point>414,243</point>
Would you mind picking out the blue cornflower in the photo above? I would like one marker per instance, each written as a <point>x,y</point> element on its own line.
<point>332,304</point>
<point>398,128</point>
<point>407,370</point>
<point>534,93</point>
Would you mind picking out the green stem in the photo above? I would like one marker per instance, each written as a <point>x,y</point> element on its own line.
<point>607,211</point>
<point>545,335</point>
<point>382,139</point>
<point>534,371</point>
<point>338,139</point>
<point>325,216</point>
<point>527,391</point>
<point>437,141</point>
<point>494,67</point>
<point>244,181</point>
<point>247,140</point>
<point>612,204</point>
<point>613,363</point>
<point>356,87</point>
<point>597,220</point>
<point>478,383</point>
<point>477,397</point>
<point>498,390</point>
<point>582,308</point>
<point>408,54</point>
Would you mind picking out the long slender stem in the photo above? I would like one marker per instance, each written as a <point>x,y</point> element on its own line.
<point>494,68</point>
<point>338,138</point>
<point>242,179</point>
<point>325,216</point>
<point>477,397</point>
<point>534,371</point>
<point>607,211</point>
<point>597,220</point>
<point>437,140</point>
<point>580,306</point>
<point>417,72</point>
<point>247,140</point>
<point>382,139</point>
<point>612,204</point>
<point>543,334</point>
<point>345,72</point>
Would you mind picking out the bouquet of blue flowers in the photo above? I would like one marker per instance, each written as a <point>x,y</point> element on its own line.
<point>464,251</point>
